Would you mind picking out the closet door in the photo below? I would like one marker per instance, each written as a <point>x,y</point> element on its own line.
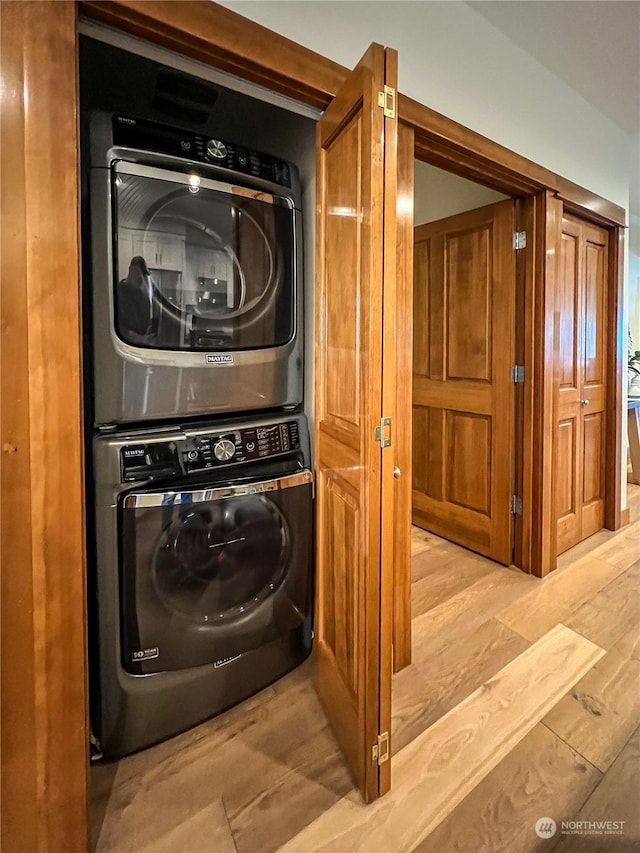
<point>355,224</point>
<point>463,348</point>
<point>580,381</point>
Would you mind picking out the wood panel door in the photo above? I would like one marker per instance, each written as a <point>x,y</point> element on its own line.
<point>580,379</point>
<point>355,225</point>
<point>463,401</point>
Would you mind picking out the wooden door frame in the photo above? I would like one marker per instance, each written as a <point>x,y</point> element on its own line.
<point>222,38</point>
<point>49,805</point>
<point>542,196</point>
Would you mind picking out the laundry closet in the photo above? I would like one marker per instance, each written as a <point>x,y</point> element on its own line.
<point>198,211</point>
<point>361,416</point>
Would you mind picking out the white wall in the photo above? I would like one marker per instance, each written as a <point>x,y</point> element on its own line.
<point>438,194</point>
<point>456,62</point>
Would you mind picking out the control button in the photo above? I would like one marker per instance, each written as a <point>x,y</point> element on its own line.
<point>242,160</point>
<point>224,450</point>
<point>216,149</point>
<point>192,455</point>
<point>251,445</point>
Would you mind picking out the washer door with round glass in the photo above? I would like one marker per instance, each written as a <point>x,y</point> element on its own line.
<point>212,573</point>
<point>200,265</point>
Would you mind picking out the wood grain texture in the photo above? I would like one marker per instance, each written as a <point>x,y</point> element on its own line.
<point>462,392</point>
<point>437,580</point>
<point>453,147</point>
<point>463,613</point>
<point>546,605</point>
<point>220,37</point>
<point>621,550</point>
<point>272,760</point>
<point>437,684</point>
<point>578,200</point>
<point>525,347</point>
<point>353,660</point>
<point>277,767</point>
<point>394,544</point>
<point>44,718</point>
<point>616,356</point>
<point>599,714</point>
<point>581,357</point>
<point>62,438</point>
<point>615,798</point>
<point>206,831</point>
<point>543,551</point>
<point>438,769</point>
<point>542,776</point>
<point>402,382</point>
<point>613,613</point>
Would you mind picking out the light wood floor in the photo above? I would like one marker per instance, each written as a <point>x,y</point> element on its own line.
<point>522,702</point>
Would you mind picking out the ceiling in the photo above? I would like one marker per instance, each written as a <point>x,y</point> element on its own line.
<point>592,46</point>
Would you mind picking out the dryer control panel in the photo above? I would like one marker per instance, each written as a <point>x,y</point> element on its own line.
<point>147,135</point>
<point>207,450</point>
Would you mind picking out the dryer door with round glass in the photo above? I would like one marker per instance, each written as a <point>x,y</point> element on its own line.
<point>210,573</point>
<point>200,264</point>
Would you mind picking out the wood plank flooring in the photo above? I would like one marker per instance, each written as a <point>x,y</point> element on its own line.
<point>521,702</point>
<point>445,763</point>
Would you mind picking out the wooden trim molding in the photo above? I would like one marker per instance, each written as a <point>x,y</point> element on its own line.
<point>524,395</point>
<point>44,703</point>
<point>451,146</point>
<point>615,421</point>
<point>588,205</point>
<point>548,219</point>
<point>44,725</point>
<point>403,416</point>
<point>214,34</point>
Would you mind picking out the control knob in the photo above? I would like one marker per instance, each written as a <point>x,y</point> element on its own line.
<point>216,149</point>
<point>224,450</point>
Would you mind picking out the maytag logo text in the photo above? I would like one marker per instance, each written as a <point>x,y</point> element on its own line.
<point>220,358</point>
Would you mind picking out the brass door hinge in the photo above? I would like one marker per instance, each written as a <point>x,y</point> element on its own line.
<point>380,750</point>
<point>383,432</point>
<point>387,100</point>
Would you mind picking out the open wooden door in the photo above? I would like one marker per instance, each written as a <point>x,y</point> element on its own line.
<point>463,418</point>
<point>355,226</point>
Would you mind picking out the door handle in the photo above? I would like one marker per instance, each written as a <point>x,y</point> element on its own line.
<point>396,472</point>
<point>585,402</point>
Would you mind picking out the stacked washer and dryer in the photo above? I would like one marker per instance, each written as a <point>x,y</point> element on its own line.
<point>201,558</point>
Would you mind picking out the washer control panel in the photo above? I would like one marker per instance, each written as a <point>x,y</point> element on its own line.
<point>206,450</point>
<point>242,445</point>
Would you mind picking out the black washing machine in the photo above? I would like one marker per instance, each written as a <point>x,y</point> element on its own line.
<point>203,571</point>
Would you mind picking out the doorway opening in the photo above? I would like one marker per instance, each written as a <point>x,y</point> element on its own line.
<point>464,326</point>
